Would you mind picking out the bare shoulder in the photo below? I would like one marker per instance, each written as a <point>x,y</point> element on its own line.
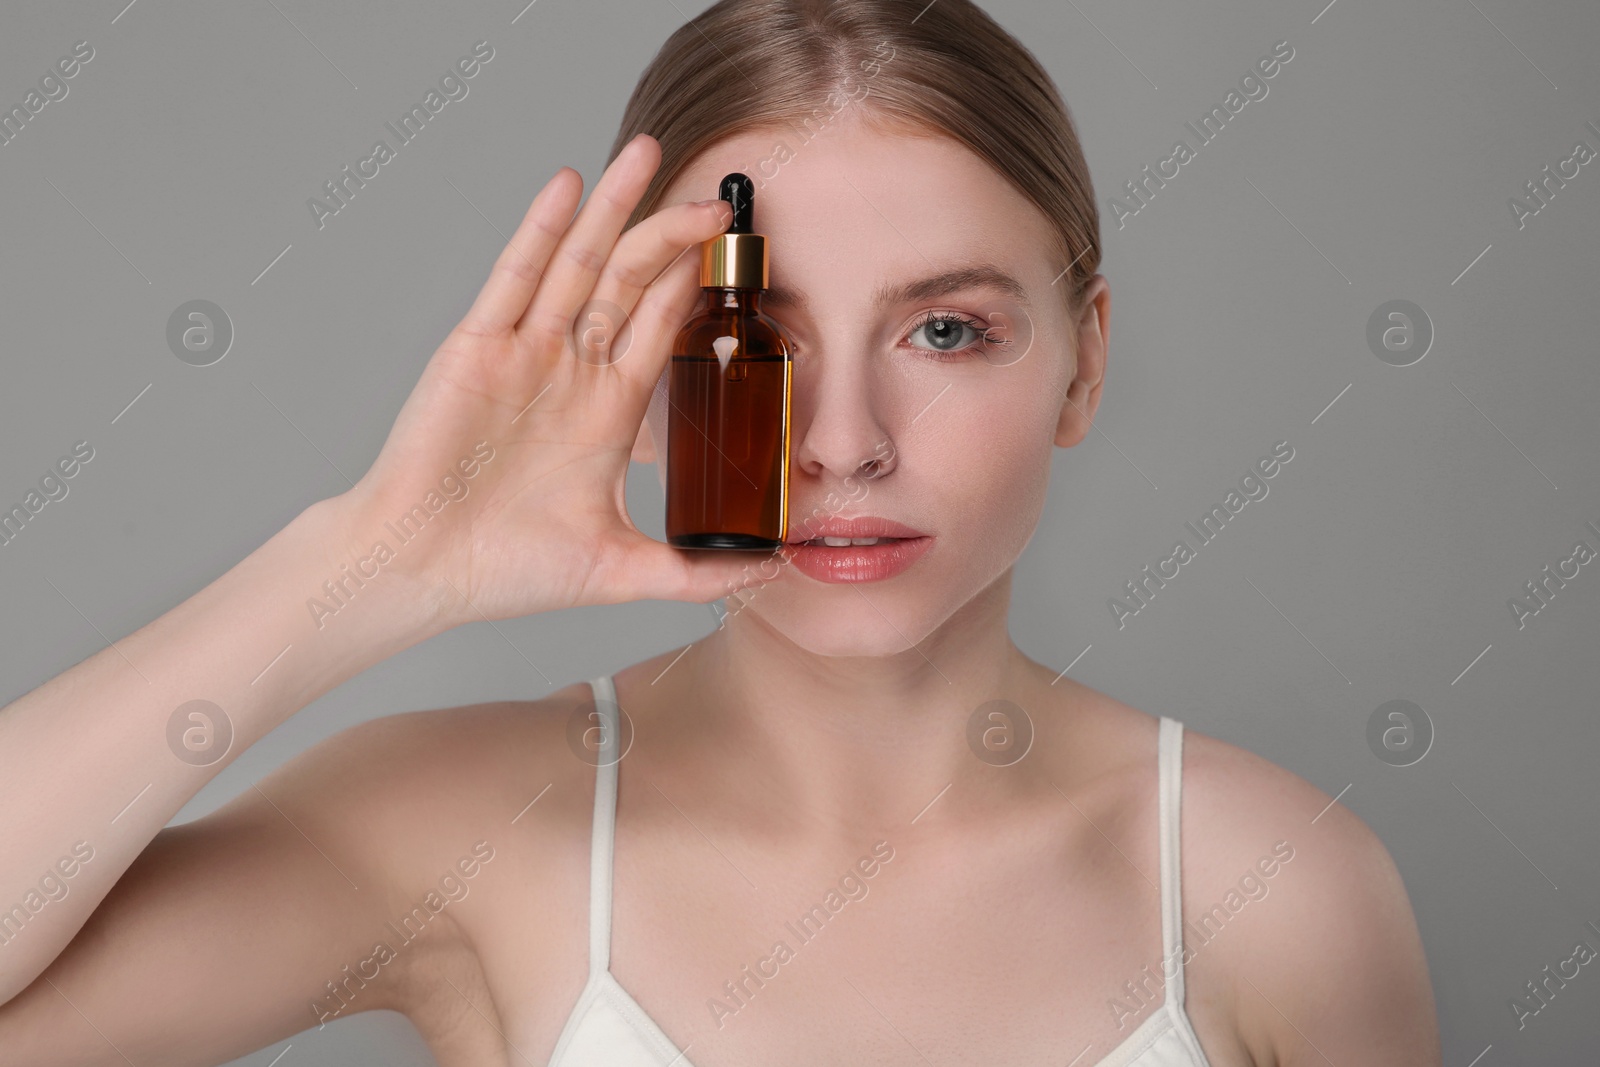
<point>431,767</point>
<point>426,781</point>
<point>1296,908</point>
<point>1234,799</point>
<point>468,811</point>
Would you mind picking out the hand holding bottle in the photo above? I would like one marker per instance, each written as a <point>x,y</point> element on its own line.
<point>543,524</point>
<point>508,463</point>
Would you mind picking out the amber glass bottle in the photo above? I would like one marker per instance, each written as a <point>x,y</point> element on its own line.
<point>729,387</point>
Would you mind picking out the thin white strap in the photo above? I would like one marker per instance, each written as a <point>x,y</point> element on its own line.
<point>1170,771</point>
<point>604,827</point>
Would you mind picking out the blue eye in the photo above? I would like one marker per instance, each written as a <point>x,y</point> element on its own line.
<point>951,337</point>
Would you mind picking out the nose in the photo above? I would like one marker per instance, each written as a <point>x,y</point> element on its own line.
<point>840,419</point>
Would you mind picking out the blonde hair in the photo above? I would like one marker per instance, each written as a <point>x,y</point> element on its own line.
<point>947,66</point>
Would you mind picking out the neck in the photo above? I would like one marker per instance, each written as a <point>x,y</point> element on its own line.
<point>842,747</point>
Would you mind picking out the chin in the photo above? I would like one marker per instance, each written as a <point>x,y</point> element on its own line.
<point>834,621</point>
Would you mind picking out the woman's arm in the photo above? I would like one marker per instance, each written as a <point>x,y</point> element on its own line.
<point>90,764</point>
<point>257,921</point>
<point>1323,961</point>
<point>1342,976</point>
<point>498,493</point>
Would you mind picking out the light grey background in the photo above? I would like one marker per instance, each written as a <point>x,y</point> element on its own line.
<point>1378,167</point>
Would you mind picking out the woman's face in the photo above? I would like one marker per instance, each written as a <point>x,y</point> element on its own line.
<point>964,427</point>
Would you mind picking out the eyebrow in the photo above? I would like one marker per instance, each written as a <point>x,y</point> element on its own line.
<point>980,276</point>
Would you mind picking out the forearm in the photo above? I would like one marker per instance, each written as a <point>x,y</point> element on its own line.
<point>101,758</point>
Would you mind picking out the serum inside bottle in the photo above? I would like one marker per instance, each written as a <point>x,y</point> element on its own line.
<point>728,391</point>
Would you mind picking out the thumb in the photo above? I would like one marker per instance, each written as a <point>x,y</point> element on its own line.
<point>662,572</point>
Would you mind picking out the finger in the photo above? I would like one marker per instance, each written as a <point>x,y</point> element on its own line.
<point>656,571</point>
<point>570,274</point>
<point>641,346</point>
<point>650,247</point>
<point>646,251</point>
<point>653,324</point>
<point>515,276</point>
<point>666,242</point>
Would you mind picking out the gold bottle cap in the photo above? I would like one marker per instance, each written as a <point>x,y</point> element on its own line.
<point>734,261</point>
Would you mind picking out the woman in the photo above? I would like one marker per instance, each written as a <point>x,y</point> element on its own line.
<point>854,823</point>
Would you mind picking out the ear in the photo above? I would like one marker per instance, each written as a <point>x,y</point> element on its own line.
<point>1092,332</point>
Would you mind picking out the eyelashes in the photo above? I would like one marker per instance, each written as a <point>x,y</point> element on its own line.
<point>982,338</point>
<point>947,320</point>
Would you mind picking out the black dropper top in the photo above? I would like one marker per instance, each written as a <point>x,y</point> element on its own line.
<point>739,191</point>
<point>736,258</point>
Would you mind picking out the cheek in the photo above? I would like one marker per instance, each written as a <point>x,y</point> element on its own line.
<point>993,460</point>
<point>1001,431</point>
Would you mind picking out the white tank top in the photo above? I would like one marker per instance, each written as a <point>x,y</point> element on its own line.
<point>608,1028</point>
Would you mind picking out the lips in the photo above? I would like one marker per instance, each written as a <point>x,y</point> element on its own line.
<point>865,526</point>
<point>897,548</point>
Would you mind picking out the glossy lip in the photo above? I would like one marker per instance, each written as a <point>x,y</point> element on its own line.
<point>857,563</point>
<point>864,526</point>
